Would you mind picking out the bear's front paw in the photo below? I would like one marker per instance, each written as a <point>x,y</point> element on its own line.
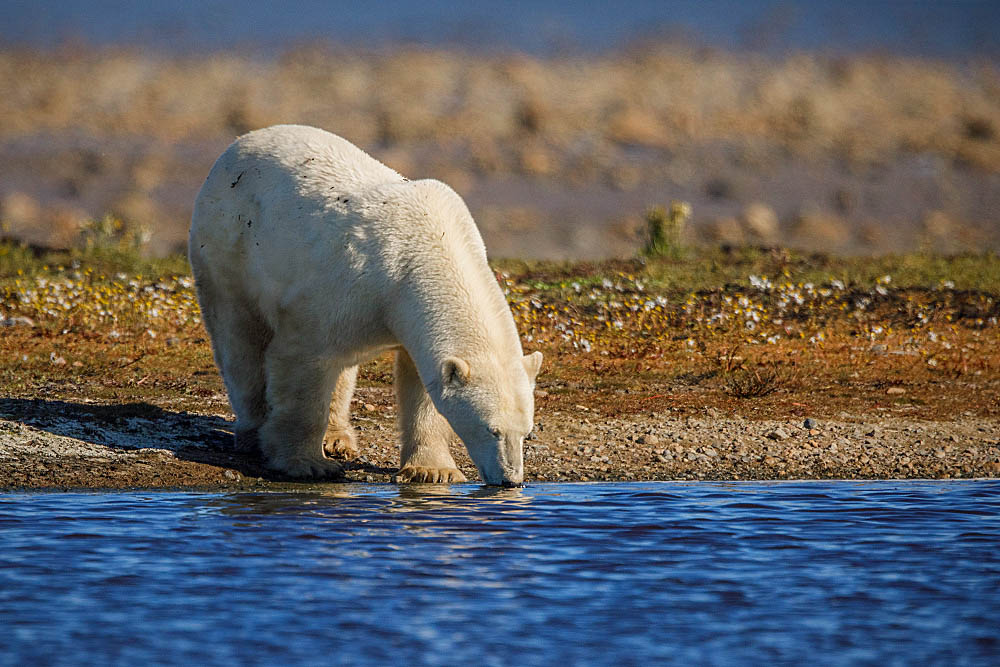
<point>301,467</point>
<point>424,475</point>
<point>341,445</point>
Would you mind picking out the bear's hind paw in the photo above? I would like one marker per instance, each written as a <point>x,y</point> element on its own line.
<point>425,475</point>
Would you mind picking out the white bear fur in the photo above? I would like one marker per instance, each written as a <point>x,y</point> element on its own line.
<point>310,257</point>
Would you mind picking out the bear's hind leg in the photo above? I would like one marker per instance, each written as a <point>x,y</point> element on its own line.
<point>341,442</point>
<point>239,338</point>
<point>298,395</point>
<point>424,455</point>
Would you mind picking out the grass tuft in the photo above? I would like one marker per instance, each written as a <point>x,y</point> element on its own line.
<point>665,231</point>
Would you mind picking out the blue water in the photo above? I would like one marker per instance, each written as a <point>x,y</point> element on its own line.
<point>950,28</point>
<point>749,573</point>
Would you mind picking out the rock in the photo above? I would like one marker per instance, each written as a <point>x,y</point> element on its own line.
<point>879,349</point>
<point>369,407</point>
<point>895,391</point>
<point>725,230</point>
<point>17,321</point>
<point>649,439</point>
<point>20,210</point>
<point>541,393</point>
<point>820,228</point>
<point>777,434</point>
<point>809,424</point>
<point>761,221</point>
<point>711,452</point>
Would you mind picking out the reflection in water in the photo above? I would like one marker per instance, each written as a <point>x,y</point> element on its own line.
<point>389,498</point>
<point>575,573</point>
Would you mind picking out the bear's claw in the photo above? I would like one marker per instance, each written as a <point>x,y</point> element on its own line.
<point>424,475</point>
<point>341,445</point>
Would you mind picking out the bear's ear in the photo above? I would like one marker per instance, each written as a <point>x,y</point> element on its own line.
<point>532,362</point>
<point>455,371</point>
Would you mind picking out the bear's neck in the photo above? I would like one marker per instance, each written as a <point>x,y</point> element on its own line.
<point>457,310</point>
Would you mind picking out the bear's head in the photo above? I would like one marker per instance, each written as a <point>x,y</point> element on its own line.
<point>491,407</point>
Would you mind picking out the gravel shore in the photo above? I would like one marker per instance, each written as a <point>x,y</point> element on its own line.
<point>67,449</point>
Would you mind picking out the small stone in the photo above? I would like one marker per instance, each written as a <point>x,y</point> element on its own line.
<point>172,341</point>
<point>895,391</point>
<point>879,349</point>
<point>710,451</point>
<point>541,393</point>
<point>833,447</point>
<point>777,434</point>
<point>663,458</point>
<point>809,424</point>
<point>583,407</point>
<point>649,439</point>
<point>17,321</point>
<point>939,454</point>
<point>369,407</point>
<point>230,475</point>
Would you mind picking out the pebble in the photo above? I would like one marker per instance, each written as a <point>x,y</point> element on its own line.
<point>649,439</point>
<point>777,434</point>
<point>809,424</point>
<point>17,321</point>
<point>895,391</point>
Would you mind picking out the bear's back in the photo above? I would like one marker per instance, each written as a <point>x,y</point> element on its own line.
<point>309,158</point>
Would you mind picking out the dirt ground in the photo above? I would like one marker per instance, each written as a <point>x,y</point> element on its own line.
<point>57,444</point>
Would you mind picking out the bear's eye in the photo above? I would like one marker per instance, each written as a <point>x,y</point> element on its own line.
<point>495,432</point>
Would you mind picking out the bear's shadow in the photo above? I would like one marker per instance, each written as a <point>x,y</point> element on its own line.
<point>136,426</point>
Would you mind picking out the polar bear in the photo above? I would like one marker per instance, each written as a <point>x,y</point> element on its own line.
<point>310,257</point>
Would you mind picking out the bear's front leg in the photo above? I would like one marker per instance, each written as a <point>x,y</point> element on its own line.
<point>424,455</point>
<point>298,394</point>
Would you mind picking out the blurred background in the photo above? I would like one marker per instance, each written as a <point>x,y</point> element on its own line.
<point>832,125</point>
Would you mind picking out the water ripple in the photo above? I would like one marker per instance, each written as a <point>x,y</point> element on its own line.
<point>894,572</point>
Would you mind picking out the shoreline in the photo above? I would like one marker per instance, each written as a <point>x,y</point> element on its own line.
<point>178,450</point>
